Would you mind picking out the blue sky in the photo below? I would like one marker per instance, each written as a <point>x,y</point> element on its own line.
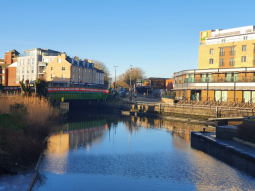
<point>160,36</point>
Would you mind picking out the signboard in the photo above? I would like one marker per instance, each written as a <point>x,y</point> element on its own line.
<point>204,35</point>
<point>140,83</point>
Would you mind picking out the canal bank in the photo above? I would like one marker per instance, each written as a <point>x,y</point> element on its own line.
<point>229,151</point>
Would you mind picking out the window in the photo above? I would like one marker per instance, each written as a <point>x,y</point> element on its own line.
<point>243,58</point>
<point>63,76</point>
<point>24,62</point>
<point>52,68</point>
<point>79,78</point>
<point>211,61</point>
<point>222,62</point>
<point>79,70</point>
<point>52,76</point>
<point>28,61</point>
<point>232,52</point>
<point>85,71</point>
<point>85,79</point>
<point>23,70</point>
<point>245,38</point>
<point>221,51</point>
<point>59,60</point>
<point>73,69</point>
<point>33,61</point>
<point>223,41</point>
<point>3,71</point>
<point>232,61</point>
<point>32,69</point>
<point>28,70</point>
<point>244,48</point>
<point>63,69</point>
<point>3,77</point>
<point>180,79</point>
<point>73,77</point>
<point>211,51</point>
<point>89,71</point>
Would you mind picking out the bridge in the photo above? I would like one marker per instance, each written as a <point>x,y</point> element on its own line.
<point>78,93</point>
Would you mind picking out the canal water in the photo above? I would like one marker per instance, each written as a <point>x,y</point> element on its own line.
<point>132,153</point>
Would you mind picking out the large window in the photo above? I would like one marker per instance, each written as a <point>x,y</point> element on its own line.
<point>211,51</point>
<point>244,48</point>
<point>232,61</point>
<point>211,61</point>
<point>232,52</point>
<point>222,62</point>
<point>221,51</point>
<point>243,58</point>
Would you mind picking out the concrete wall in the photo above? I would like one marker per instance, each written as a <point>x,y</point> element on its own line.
<point>228,154</point>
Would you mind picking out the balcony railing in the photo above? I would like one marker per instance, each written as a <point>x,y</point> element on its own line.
<point>220,79</point>
<point>232,52</point>
<point>231,63</point>
<point>222,53</point>
<point>221,64</point>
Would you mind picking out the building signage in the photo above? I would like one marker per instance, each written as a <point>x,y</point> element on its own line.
<point>204,35</point>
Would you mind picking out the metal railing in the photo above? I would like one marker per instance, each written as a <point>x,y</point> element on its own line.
<point>232,52</point>
<point>220,79</point>
<point>231,63</point>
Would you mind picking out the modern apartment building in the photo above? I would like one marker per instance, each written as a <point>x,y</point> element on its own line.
<point>226,69</point>
<point>33,63</point>
<point>64,71</point>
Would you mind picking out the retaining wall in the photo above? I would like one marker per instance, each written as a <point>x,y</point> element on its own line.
<point>229,154</point>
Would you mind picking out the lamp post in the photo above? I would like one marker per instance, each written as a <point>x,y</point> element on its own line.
<point>130,84</point>
<point>115,78</point>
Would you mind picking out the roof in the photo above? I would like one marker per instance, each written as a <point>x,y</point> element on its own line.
<point>4,65</point>
<point>13,65</point>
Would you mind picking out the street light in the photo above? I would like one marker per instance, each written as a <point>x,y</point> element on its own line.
<point>115,78</point>
<point>130,84</point>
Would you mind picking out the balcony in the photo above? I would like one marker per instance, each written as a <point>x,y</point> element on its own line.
<point>231,63</point>
<point>222,53</point>
<point>220,79</point>
<point>41,70</point>
<point>232,52</point>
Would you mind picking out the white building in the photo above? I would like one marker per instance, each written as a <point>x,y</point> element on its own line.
<point>32,64</point>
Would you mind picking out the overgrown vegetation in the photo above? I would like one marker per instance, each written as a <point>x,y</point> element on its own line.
<point>246,132</point>
<point>24,124</point>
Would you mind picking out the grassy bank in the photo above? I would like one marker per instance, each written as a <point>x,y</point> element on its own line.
<point>24,124</point>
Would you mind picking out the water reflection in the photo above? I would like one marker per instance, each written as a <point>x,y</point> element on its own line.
<point>122,153</point>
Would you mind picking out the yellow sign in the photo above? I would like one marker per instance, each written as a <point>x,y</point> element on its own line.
<point>204,35</point>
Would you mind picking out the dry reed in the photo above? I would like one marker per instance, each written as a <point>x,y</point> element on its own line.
<point>39,110</point>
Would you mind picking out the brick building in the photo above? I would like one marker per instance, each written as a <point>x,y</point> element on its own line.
<point>11,56</point>
<point>226,69</point>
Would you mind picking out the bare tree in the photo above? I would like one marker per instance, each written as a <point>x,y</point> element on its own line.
<point>133,74</point>
<point>101,66</point>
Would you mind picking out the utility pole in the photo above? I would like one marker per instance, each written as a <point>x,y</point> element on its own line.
<point>115,78</point>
